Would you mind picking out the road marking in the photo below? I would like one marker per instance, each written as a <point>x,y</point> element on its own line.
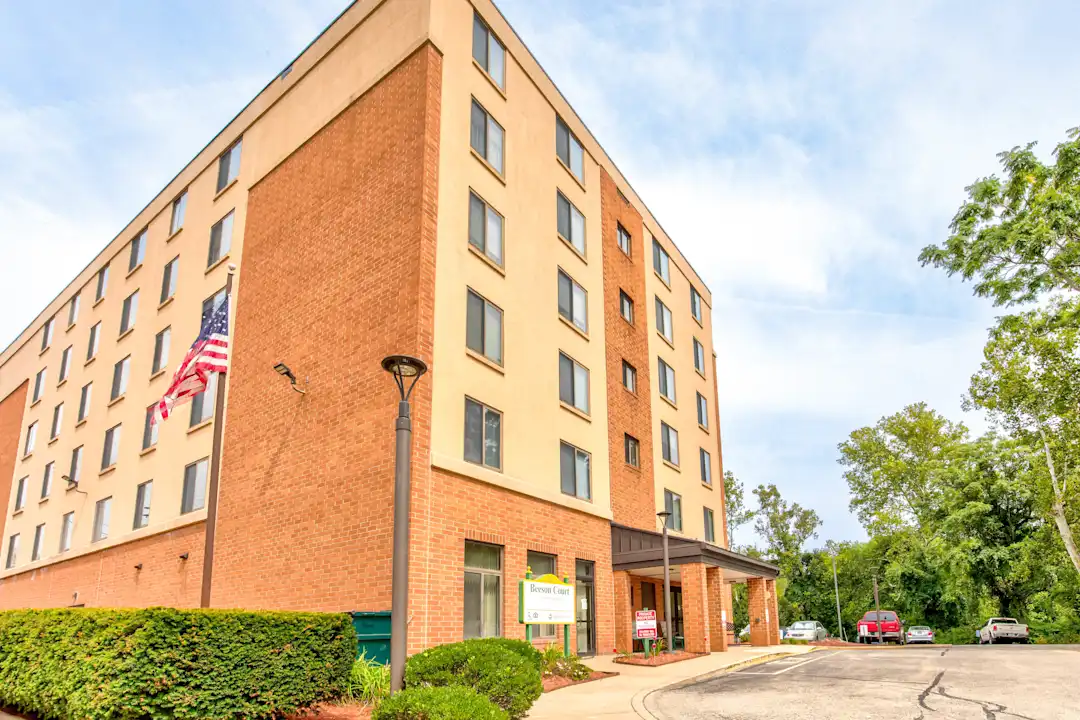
<point>822,656</point>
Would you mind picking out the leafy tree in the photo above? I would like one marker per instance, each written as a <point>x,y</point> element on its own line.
<point>1019,236</point>
<point>894,468</point>
<point>738,512</point>
<point>785,527</point>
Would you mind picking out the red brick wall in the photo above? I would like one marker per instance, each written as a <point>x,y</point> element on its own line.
<point>757,600</point>
<point>695,601</point>
<point>339,264</point>
<point>11,420</point>
<point>718,637</point>
<point>108,578</point>
<point>633,500</point>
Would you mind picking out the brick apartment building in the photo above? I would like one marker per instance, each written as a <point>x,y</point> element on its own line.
<point>413,182</point>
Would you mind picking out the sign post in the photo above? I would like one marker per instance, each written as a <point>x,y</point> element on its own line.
<point>645,628</point>
<point>546,600</point>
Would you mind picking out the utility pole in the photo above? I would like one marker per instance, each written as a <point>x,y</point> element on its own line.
<point>836,587</point>
<point>877,609</point>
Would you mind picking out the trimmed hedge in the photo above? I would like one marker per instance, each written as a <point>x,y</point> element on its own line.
<point>488,666</point>
<point>438,703</point>
<point>103,664</point>
<point>520,647</point>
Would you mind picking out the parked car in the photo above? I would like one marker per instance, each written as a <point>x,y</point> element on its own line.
<point>891,627</point>
<point>919,634</point>
<point>807,630</point>
<point>1003,629</point>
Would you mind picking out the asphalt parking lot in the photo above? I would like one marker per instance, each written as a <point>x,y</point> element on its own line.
<point>1034,682</point>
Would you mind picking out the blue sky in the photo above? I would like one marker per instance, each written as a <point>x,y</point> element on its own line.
<point>800,153</point>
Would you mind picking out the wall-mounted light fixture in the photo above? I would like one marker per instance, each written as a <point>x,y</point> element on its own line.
<point>283,370</point>
<point>139,566</point>
<point>72,484</point>
<point>183,556</point>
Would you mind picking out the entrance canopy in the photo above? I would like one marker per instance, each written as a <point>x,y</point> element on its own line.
<point>642,552</point>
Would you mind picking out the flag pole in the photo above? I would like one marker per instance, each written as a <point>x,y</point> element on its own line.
<point>215,469</point>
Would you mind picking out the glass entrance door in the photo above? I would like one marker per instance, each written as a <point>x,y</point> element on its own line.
<point>676,615</point>
<point>586,608</point>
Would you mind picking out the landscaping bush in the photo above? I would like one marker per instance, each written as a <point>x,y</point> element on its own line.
<point>91,664</point>
<point>556,663</point>
<point>369,681</point>
<point>522,648</point>
<point>503,676</point>
<point>438,703</point>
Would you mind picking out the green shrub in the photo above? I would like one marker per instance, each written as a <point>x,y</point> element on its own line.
<point>793,641</point>
<point>556,663</point>
<point>522,648</point>
<point>369,681</point>
<point>83,664</point>
<point>438,703</point>
<point>502,675</point>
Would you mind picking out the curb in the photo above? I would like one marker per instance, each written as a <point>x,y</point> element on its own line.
<point>637,702</point>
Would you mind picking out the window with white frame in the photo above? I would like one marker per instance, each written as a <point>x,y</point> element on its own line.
<point>695,304</point>
<point>67,525</point>
<point>220,240</point>
<point>666,378</point>
<point>626,307</point>
<point>570,223</point>
<point>129,311</point>
<point>73,309</point>
<point>702,411</point>
<point>483,590</point>
<point>575,472</point>
<point>84,401</point>
<point>47,333</point>
<point>573,302</point>
<point>663,321</point>
<point>13,551</point>
<point>110,452</point>
<point>150,429</point>
<point>39,539</point>
<point>229,165</point>
<point>669,443</point>
<point>706,466</point>
<point>102,283</point>
<point>142,504</point>
<point>485,229</point>
<point>699,357</point>
<point>568,149</point>
<point>102,511</point>
<point>179,207</point>
<point>76,464</point>
<point>137,252</point>
<point>488,52</point>
<point>121,372</point>
<point>661,262</point>
<point>673,505</point>
<point>483,435</point>
<point>169,277</point>
<point>57,421</point>
<point>92,343</point>
<point>486,136</point>
<point>194,493</point>
<point>31,438</point>
<point>47,480</point>
<point>39,385</point>
<point>631,450</point>
<point>710,526</point>
<point>573,383</point>
<point>483,327</point>
<point>20,493</point>
<point>65,365</point>
<point>623,238</point>
<point>161,350</point>
<point>202,404</point>
<point>629,377</point>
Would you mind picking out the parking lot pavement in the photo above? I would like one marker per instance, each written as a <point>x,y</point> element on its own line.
<point>1031,682</point>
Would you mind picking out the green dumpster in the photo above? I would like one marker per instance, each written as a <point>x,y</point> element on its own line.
<point>372,635</point>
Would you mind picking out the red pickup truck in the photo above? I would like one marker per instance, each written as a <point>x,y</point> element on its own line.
<point>891,627</point>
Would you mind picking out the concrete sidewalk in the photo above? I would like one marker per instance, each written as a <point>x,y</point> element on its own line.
<point>622,697</point>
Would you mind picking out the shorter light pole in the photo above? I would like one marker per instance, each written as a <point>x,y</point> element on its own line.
<point>664,515</point>
<point>877,610</point>
<point>404,369</point>
<point>836,587</point>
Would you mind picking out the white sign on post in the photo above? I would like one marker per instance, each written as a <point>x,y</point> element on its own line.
<point>645,625</point>
<point>545,603</point>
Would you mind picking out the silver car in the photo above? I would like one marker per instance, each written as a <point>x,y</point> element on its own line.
<point>807,630</point>
<point>919,634</point>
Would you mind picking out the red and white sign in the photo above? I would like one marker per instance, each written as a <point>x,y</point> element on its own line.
<point>645,625</point>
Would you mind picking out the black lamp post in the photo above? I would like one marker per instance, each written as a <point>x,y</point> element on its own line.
<point>406,371</point>
<point>664,515</point>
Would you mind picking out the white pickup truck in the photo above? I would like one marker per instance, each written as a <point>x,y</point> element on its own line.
<point>1003,629</point>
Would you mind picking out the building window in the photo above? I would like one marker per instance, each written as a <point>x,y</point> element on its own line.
<point>46,480</point>
<point>541,564</point>
<point>161,350</point>
<point>138,251</point>
<point>663,321</point>
<point>202,404</point>
<point>31,438</point>
<point>575,473</point>
<point>571,223</point>
<point>20,494</point>
<point>142,504</point>
<point>13,551</point>
<point>102,283</point>
<point>211,304</point>
<point>706,466</point>
<point>57,421</point>
<point>573,302</point>
<point>702,411</point>
<point>229,165</point>
<point>632,450</point>
<point>111,450</point>
<point>569,149</point>
<point>150,429</point>
<point>39,538</point>
<point>76,465</point>
<point>129,311</point>
<point>483,327</point>
<point>47,333</point>
<point>486,137</point>
<point>66,527</point>
<point>695,304</point>
<point>673,505</point>
<point>65,365</point>
<point>669,443</point>
<point>623,238</point>
<point>483,590</point>
<point>220,239</point>
<point>661,262</point>
<point>73,310</point>
<point>629,377</point>
<point>84,401</point>
<point>194,495</point>
<point>102,510</point>
<point>121,371</point>
<point>710,526</point>
<point>485,229</point>
<point>168,279</point>
<point>179,207</point>
<point>483,435</point>
<point>573,383</point>
<point>92,345</point>
<point>488,52</point>
<point>699,357</point>
<point>39,384</point>
<point>667,380</point>
<point>626,307</point>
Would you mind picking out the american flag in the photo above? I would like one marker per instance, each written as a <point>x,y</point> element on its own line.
<point>209,354</point>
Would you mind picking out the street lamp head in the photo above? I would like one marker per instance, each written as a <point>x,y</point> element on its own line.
<point>663,514</point>
<point>283,370</point>
<point>404,366</point>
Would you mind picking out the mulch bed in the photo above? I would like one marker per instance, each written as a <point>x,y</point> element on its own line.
<point>661,659</point>
<point>330,711</point>
<point>554,682</point>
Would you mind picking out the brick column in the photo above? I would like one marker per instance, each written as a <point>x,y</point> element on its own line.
<point>729,608</point>
<point>757,601</point>
<point>695,599</point>
<point>714,579</point>
<point>774,613</point>
<point>624,612</point>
